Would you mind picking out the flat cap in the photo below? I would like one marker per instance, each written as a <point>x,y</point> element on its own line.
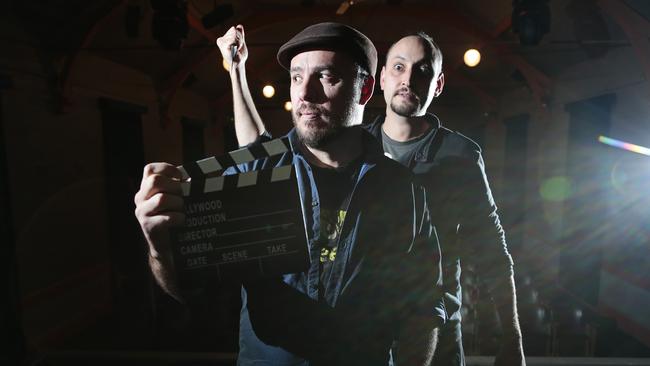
<point>335,37</point>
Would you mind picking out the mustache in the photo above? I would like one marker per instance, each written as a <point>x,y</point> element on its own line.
<point>406,90</point>
<point>310,108</point>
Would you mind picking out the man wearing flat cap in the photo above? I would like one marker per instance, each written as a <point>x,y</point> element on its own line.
<point>373,256</point>
<point>447,163</point>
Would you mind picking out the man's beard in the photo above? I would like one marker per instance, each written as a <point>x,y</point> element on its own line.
<point>406,108</point>
<point>320,137</point>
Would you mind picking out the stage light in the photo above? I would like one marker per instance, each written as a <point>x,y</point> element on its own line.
<point>225,64</point>
<point>472,57</point>
<point>288,106</point>
<point>531,20</point>
<point>217,16</point>
<point>624,145</point>
<point>268,91</point>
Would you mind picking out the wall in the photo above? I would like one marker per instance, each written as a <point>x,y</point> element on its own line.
<point>625,233</point>
<point>56,171</point>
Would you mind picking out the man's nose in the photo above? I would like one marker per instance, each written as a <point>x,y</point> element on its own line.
<point>406,78</point>
<point>309,90</point>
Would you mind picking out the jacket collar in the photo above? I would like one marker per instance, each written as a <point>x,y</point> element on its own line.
<point>426,152</point>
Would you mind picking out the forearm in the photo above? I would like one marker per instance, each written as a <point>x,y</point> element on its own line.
<point>417,343</point>
<point>504,296</point>
<point>248,123</point>
<point>162,268</point>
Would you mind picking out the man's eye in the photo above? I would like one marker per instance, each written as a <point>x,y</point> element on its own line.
<point>398,67</point>
<point>296,78</point>
<point>327,76</point>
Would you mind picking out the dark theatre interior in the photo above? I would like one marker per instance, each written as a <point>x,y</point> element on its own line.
<point>91,91</point>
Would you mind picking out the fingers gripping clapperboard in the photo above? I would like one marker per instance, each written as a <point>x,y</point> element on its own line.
<point>241,226</point>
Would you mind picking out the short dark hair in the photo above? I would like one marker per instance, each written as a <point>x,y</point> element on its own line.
<point>429,44</point>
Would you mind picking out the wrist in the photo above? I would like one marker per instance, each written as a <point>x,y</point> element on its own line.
<point>238,69</point>
<point>160,257</point>
<point>154,254</point>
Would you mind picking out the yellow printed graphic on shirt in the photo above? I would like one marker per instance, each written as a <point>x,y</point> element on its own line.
<point>331,226</point>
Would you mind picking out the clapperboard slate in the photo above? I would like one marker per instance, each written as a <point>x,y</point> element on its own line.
<point>241,226</point>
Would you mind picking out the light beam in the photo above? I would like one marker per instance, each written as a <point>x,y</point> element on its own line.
<point>624,145</point>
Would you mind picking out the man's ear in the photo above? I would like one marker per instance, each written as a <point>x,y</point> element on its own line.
<point>440,83</point>
<point>367,89</point>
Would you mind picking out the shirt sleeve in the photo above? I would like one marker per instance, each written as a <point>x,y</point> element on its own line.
<point>425,255</point>
<point>480,227</point>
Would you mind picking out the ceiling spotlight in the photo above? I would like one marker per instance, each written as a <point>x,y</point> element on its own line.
<point>217,16</point>
<point>531,20</point>
<point>472,57</point>
<point>288,106</point>
<point>268,91</point>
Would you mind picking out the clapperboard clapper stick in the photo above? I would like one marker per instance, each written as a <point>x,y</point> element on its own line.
<point>241,226</point>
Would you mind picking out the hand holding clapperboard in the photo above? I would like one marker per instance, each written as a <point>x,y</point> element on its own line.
<point>242,226</point>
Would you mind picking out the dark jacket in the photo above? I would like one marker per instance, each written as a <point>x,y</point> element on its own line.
<point>382,272</point>
<point>450,167</point>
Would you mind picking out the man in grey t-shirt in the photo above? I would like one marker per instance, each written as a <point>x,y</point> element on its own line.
<point>451,168</point>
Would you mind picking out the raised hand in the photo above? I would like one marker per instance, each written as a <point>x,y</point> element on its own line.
<point>234,36</point>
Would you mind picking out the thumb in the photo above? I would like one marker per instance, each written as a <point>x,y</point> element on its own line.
<point>240,30</point>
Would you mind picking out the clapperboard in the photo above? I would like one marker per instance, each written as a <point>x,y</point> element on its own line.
<point>241,226</point>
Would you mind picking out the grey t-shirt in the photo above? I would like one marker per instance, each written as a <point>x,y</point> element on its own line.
<point>403,151</point>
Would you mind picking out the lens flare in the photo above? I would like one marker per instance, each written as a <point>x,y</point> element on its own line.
<point>556,189</point>
<point>624,145</point>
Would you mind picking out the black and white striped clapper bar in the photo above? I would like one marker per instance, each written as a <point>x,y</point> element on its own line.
<point>241,226</point>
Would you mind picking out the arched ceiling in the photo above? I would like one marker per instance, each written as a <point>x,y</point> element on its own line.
<point>580,31</point>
